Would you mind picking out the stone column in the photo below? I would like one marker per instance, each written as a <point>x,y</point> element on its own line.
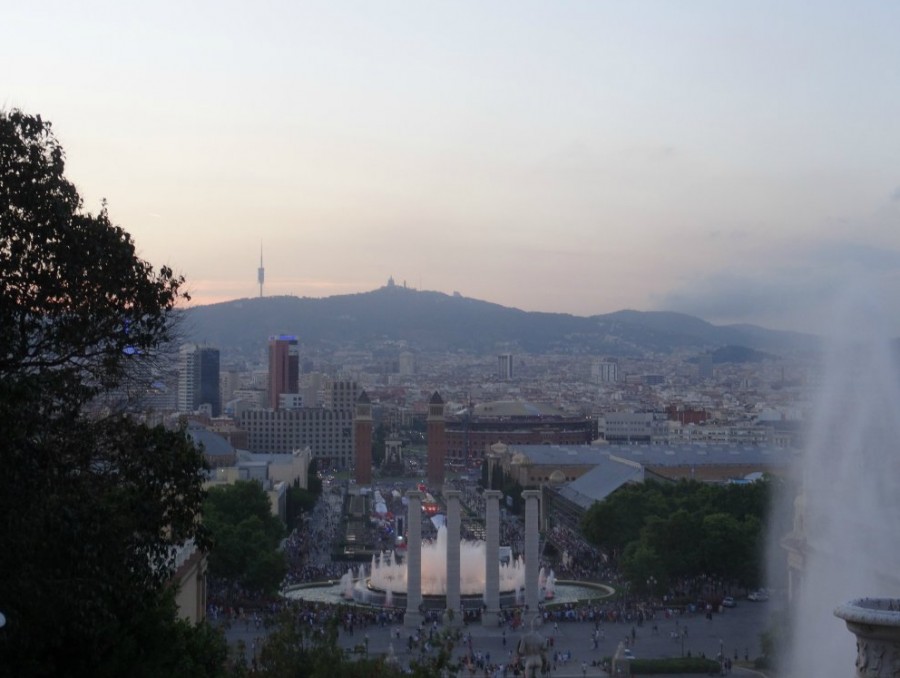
<point>453,592</point>
<point>491,610</point>
<point>532,564</point>
<point>876,624</point>
<point>413,616</point>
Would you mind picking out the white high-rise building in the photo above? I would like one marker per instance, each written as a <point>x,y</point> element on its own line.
<point>604,372</point>
<point>188,378</point>
<point>505,366</point>
<point>406,364</point>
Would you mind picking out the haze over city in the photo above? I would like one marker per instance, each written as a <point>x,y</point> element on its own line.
<point>733,161</point>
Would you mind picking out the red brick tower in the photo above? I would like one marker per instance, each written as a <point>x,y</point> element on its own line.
<point>362,422</point>
<point>437,442</point>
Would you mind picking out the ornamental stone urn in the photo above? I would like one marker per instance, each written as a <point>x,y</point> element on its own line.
<point>876,624</point>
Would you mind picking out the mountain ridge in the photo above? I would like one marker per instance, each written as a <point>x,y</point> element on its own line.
<point>435,321</point>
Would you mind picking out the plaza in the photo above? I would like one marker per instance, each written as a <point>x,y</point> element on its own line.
<point>485,643</point>
<point>736,631</point>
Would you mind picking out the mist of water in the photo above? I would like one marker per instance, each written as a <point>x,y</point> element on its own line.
<point>849,509</point>
<point>390,575</point>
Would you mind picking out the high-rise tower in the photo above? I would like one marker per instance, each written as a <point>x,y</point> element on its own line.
<point>188,378</point>
<point>198,379</point>
<point>505,366</point>
<point>260,272</point>
<point>284,368</point>
<point>209,379</point>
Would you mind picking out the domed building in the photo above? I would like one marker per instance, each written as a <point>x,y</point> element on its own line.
<point>557,477</point>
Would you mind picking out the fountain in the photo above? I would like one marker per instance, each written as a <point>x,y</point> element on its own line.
<point>386,583</point>
<point>479,587</point>
<point>347,585</point>
<point>850,507</point>
<point>332,592</point>
<point>547,584</point>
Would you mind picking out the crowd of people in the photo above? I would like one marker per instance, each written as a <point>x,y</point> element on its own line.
<point>578,559</point>
<point>310,558</point>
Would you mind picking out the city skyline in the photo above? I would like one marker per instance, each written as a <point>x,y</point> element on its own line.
<point>734,162</point>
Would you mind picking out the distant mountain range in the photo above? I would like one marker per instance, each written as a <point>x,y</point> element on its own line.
<point>433,321</point>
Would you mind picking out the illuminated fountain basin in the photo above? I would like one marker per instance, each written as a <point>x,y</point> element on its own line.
<point>334,593</point>
<point>384,584</point>
<point>386,574</point>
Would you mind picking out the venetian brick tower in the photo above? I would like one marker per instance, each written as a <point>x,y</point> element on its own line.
<point>362,423</point>
<point>437,441</point>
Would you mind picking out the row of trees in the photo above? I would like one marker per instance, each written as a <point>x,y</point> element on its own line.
<point>659,533</point>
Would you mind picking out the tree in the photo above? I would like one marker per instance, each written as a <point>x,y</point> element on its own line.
<point>92,506</point>
<point>688,528</point>
<point>722,544</point>
<point>77,301</point>
<point>614,523</point>
<point>245,537</point>
<point>313,481</point>
<point>643,568</point>
<point>676,538</point>
<point>300,500</point>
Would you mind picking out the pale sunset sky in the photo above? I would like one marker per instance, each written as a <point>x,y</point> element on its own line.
<point>739,161</point>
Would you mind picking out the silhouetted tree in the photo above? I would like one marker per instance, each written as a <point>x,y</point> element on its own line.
<point>93,505</point>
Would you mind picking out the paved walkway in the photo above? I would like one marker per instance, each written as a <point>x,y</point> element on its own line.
<point>736,631</point>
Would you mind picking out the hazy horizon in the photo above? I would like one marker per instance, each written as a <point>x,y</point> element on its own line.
<point>732,161</point>
<point>194,304</point>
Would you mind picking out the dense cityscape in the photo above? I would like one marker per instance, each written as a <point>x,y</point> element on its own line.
<point>495,340</point>
<point>346,491</point>
<point>374,424</point>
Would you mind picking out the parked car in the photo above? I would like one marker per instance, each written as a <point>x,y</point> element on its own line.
<point>758,596</point>
<point>628,654</point>
<point>728,601</point>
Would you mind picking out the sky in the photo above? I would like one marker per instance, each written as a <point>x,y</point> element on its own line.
<point>739,161</point>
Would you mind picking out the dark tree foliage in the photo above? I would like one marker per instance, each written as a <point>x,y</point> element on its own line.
<point>660,532</point>
<point>313,482</point>
<point>92,507</point>
<point>76,298</point>
<point>245,537</point>
<point>300,501</point>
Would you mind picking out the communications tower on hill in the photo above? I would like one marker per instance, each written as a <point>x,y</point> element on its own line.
<point>260,272</point>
